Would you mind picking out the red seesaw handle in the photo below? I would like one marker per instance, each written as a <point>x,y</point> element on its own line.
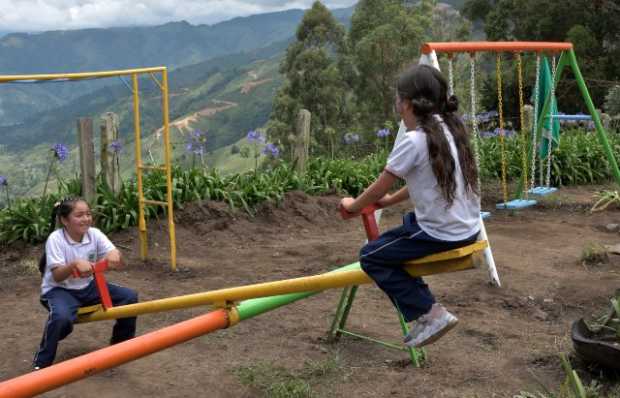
<point>98,269</point>
<point>368,218</point>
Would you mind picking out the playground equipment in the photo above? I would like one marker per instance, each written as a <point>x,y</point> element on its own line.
<point>140,167</point>
<point>544,85</point>
<point>260,298</point>
<point>567,58</point>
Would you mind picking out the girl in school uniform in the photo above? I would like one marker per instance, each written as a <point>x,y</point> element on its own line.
<point>76,246</point>
<point>435,160</point>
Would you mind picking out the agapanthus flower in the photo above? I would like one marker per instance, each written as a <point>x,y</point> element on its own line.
<point>351,138</point>
<point>116,146</point>
<point>3,181</point>
<point>383,133</point>
<point>271,150</point>
<point>196,148</point>
<point>255,136</point>
<point>61,152</point>
<point>198,135</point>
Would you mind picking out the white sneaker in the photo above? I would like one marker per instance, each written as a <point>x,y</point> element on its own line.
<point>430,327</point>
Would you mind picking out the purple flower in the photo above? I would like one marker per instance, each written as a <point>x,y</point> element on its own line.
<point>196,148</point>
<point>351,138</point>
<point>116,146</point>
<point>255,136</point>
<point>196,142</point>
<point>61,152</point>
<point>3,181</point>
<point>383,133</point>
<point>198,135</point>
<point>271,150</point>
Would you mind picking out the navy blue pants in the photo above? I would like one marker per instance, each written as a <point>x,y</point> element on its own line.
<point>63,305</point>
<point>383,258</point>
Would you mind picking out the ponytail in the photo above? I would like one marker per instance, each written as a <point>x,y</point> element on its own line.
<point>426,88</point>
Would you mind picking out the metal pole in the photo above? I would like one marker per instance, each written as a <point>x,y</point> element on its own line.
<point>168,165</point>
<point>600,131</point>
<point>138,149</point>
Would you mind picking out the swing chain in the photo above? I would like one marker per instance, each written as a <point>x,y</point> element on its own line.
<point>474,119</point>
<point>551,121</point>
<point>524,137</point>
<point>500,107</point>
<point>450,76</point>
<point>535,122</point>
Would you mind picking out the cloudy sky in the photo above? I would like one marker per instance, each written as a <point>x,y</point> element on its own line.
<point>39,15</point>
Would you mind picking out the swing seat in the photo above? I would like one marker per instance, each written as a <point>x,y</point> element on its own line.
<point>485,214</point>
<point>516,204</point>
<point>542,191</point>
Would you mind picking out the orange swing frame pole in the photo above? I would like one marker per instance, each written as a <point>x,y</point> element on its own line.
<point>496,46</point>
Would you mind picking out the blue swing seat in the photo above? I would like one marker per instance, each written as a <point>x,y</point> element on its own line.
<point>485,214</point>
<point>516,204</point>
<point>542,191</point>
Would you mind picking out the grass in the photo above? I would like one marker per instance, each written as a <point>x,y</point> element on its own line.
<point>572,387</point>
<point>275,381</point>
<point>594,253</point>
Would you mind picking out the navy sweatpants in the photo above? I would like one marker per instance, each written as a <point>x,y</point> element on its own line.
<point>383,258</point>
<point>63,305</point>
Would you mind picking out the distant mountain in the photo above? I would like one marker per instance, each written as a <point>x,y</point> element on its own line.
<point>174,45</point>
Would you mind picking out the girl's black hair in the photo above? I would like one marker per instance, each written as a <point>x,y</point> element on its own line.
<point>61,209</point>
<point>427,90</point>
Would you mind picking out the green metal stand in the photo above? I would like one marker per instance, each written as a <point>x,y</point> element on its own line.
<point>340,319</point>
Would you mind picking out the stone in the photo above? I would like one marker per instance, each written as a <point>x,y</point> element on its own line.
<point>612,227</point>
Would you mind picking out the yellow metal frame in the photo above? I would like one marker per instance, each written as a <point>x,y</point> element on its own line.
<point>163,86</point>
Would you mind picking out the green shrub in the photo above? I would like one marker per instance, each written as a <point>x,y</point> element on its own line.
<point>579,159</point>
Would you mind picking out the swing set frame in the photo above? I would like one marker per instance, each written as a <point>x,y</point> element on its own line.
<point>567,59</point>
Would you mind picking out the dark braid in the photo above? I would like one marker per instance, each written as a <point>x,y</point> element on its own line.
<point>61,209</point>
<point>426,88</point>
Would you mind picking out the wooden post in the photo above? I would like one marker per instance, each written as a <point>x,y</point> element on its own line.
<point>87,158</point>
<point>109,159</point>
<point>302,141</point>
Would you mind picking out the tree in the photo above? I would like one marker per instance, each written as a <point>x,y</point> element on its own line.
<point>386,36</point>
<point>313,80</point>
<point>592,26</point>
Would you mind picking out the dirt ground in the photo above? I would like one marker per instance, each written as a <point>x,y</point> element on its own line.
<point>508,338</point>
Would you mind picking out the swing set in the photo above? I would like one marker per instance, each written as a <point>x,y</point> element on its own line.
<point>536,139</point>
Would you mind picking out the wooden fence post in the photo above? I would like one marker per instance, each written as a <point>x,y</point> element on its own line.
<point>87,158</point>
<point>109,158</point>
<point>302,141</point>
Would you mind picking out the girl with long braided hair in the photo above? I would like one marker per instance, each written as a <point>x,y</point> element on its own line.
<point>436,161</point>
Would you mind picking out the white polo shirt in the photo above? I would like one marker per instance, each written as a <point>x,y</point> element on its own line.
<point>409,160</point>
<point>60,250</point>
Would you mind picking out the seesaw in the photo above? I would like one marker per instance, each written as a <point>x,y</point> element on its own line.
<point>235,305</point>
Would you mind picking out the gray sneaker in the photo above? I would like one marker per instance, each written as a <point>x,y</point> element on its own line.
<point>430,327</point>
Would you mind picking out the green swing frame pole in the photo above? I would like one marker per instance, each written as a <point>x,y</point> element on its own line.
<point>600,131</point>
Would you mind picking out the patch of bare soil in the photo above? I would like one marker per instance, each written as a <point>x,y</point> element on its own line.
<point>508,338</point>
<point>184,123</point>
<point>249,86</point>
